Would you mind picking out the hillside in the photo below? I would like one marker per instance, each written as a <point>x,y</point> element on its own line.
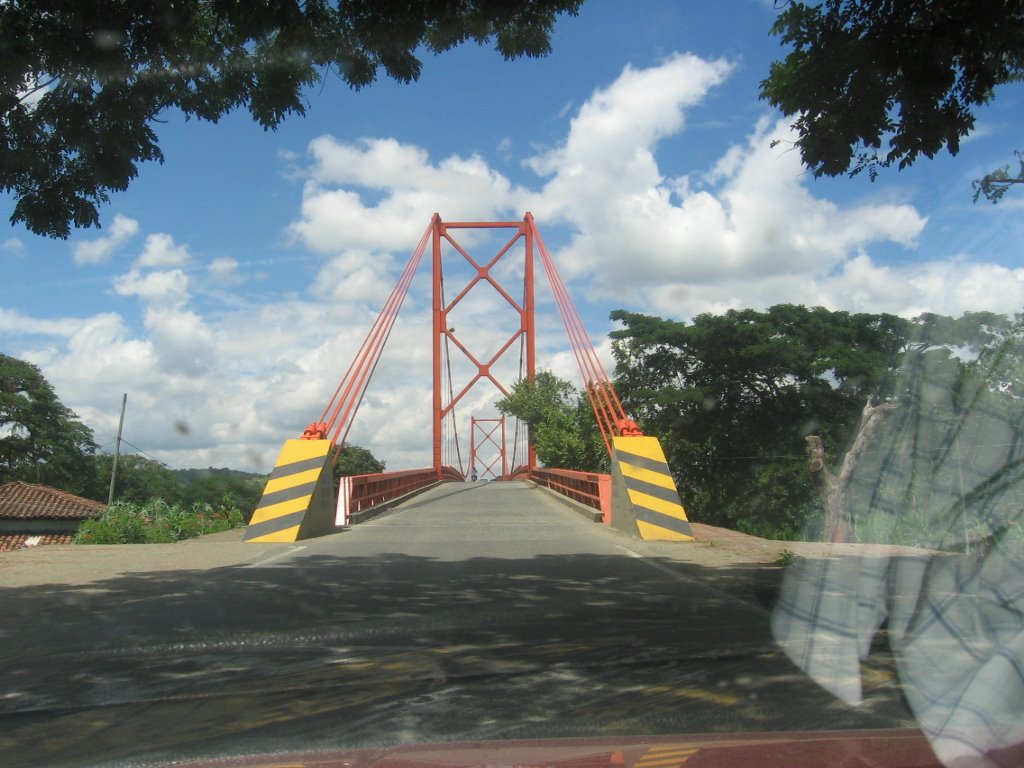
<point>187,476</point>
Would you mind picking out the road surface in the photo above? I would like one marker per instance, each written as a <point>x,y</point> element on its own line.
<point>474,611</point>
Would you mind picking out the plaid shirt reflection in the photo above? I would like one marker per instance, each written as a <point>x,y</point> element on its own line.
<point>951,463</point>
<point>956,628</point>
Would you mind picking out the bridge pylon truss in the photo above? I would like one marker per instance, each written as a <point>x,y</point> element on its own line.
<point>482,361</point>
<point>301,498</point>
<point>487,464</point>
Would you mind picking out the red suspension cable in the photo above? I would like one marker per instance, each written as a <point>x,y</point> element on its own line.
<point>608,410</point>
<point>337,417</point>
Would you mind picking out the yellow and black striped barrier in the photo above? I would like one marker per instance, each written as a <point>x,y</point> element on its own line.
<point>666,756</point>
<point>646,493</point>
<point>298,500</point>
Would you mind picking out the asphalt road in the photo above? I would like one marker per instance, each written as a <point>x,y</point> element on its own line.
<point>474,611</point>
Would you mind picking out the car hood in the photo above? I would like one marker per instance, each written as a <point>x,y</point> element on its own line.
<point>831,749</point>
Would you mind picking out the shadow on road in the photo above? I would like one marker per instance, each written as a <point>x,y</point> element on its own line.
<point>356,651</point>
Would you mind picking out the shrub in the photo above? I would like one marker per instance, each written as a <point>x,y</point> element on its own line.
<point>122,523</point>
<point>157,522</point>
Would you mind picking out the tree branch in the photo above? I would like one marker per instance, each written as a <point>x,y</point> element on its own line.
<point>995,184</point>
<point>831,487</point>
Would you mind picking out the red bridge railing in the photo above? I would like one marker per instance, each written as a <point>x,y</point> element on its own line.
<point>359,493</point>
<point>590,488</point>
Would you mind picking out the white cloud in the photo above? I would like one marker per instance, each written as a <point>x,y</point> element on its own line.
<point>160,250</point>
<point>617,126</point>
<point>224,271</point>
<point>358,276</point>
<point>93,358</point>
<point>13,246</point>
<point>379,194</point>
<point>18,324</point>
<point>100,249</point>
<point>980,130</point>
<point>226,389</point>
<point>637,230</point>
<point>945,287</point>
<point>168,287</point>
<point>181,340</point>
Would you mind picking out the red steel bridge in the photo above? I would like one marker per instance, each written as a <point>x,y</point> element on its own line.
<point>639,495</point>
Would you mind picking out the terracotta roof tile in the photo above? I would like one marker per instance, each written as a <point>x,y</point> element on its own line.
<point>27,501</point>
<point>11,541</point>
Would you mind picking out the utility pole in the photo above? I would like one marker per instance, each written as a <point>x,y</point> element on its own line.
<point>117,450</point>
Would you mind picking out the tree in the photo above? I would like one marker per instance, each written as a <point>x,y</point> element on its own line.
<point>142,481</point>
<point>732,398</point>
<point>139,479</point>
<point>356,460</point>
<point>735,398</point>
<point>220,487</point>
<point>562,425</point>
<point>81,84</point>
<point>41,441</point>
<point>906,73</point>
<point>833,487</point>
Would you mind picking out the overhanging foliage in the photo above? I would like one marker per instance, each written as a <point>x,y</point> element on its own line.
<point>82,83</point>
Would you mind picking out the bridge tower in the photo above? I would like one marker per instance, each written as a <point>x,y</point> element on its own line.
<point>515,241</point>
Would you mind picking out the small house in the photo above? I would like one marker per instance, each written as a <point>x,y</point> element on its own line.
<point>32,515</point>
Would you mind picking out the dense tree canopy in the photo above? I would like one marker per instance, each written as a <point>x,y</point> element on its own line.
<point>41,440</point>
<point>356,460</point>
<point>221,487</point>
<point>874,83</point>
<point>139,479</point>
<point>81,83</point>
<point>733,397</point>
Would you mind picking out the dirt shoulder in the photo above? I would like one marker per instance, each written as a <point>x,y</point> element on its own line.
<point>724,544</point>
<point>85,564</point>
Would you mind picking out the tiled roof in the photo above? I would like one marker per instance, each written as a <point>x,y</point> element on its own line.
<point>27,501</point>
<point>11,541</point>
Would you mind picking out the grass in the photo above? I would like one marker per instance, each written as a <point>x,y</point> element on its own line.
<point>786,558</point>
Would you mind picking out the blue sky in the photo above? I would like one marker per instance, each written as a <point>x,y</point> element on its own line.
<point>230,286</point>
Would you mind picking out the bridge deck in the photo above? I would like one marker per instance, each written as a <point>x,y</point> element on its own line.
<point>487,519</point>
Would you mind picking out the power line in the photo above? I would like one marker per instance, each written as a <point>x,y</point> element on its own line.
<point>147,455</point>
